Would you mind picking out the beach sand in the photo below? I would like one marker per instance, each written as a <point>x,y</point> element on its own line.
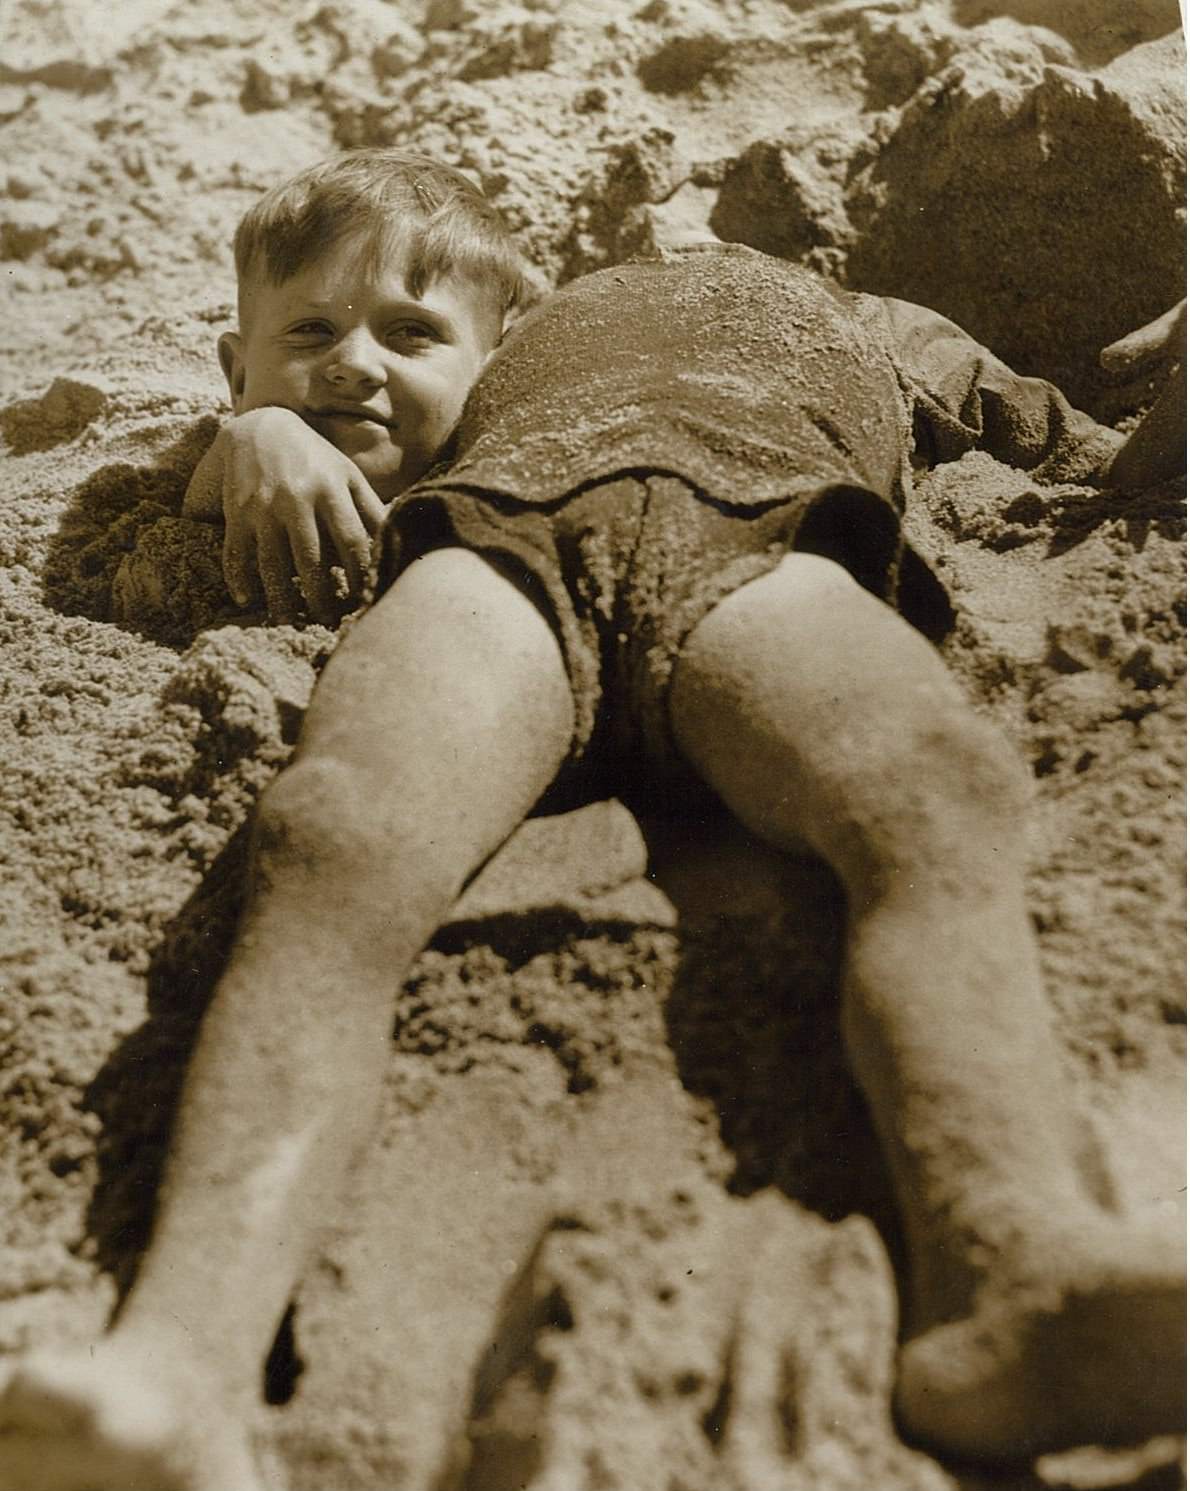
<point>623,1226</point>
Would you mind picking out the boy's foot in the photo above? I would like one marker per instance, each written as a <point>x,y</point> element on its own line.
<point>93,1421</point>
<point>1093,1354</point>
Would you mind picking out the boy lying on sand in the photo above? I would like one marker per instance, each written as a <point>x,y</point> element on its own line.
<point>667,545</point>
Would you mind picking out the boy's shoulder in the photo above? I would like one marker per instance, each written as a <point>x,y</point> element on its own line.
<point>704,260</point>
<point>687,294</point>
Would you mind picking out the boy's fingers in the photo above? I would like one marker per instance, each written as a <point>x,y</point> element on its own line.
<point>1133,353</point>
<point>1160,340</point>
<point>239,572</point>
<point>352,543</point>
<point>367,504</point>
<point>306,543</point>
<point>276,573</point>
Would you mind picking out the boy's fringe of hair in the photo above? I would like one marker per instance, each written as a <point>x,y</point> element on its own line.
<point>437,219</point>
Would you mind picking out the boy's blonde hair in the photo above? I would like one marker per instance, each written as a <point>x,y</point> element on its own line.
<point>405,204</point>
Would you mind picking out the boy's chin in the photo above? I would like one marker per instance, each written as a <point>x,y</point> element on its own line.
<point>387,478</point>
<point>390,484</point>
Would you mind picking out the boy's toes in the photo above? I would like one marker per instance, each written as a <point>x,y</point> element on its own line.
<point>1098,1362</point>
<point>43,1396</point>
<point>66,1425</point>
<point>100,1421</point>
<point>956,1395</point>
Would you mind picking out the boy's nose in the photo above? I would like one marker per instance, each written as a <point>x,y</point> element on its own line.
<point>356,359</point>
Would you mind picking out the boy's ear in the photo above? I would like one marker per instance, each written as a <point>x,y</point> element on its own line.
<point>505,325</point>
<point>231,360</point>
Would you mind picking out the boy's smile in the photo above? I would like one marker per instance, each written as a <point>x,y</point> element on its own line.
<point>378,371</point>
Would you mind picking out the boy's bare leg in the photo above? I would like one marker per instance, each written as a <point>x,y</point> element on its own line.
<point>438,723</point>
<point>1039,1316</point>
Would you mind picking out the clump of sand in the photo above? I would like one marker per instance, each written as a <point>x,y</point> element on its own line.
<point>644,1076</point>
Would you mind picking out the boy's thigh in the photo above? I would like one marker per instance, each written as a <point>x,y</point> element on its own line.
<point>452,669</point>
<point>805,701</point>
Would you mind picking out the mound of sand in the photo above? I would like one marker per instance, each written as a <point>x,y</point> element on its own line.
<point>662,1202</point>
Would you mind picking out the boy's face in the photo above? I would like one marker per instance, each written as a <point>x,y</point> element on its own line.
<point>378,371</point>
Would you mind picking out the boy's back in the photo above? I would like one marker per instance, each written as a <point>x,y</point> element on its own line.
<point>747,376</point>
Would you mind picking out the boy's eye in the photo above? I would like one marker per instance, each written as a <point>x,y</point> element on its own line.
<point>413,333</point>
<point>310,329</point>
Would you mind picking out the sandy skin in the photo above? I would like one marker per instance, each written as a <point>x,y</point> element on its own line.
<point>107,1418</point>
<point>1090,1350</point>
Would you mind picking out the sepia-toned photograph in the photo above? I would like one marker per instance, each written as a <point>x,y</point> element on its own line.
<point>592,745</point>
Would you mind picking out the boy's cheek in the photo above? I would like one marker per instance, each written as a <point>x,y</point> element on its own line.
<point>271,387</point>
<point>258,397</point>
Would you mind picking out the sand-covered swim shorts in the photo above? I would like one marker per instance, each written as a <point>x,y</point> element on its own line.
<point>625,569</point>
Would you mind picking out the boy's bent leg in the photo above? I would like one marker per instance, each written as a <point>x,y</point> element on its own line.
<point>1039,1316</point>
<point>436,726</point>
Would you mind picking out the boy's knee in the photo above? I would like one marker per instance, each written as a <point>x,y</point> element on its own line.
<point>938,805</point>
<point>309,811</point>
<point>966,753</point>
<point>966,783</point>
<point>322,816</point>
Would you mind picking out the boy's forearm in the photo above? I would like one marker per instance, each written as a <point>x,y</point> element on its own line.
<point>1155,451</point>
<point>204,494</point>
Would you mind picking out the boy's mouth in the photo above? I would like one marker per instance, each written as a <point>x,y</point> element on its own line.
<point>355,414</point>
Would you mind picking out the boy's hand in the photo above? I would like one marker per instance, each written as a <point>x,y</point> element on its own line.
<point>1156,449</point>
<point>1160,343</point>
<point>287,495</point>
